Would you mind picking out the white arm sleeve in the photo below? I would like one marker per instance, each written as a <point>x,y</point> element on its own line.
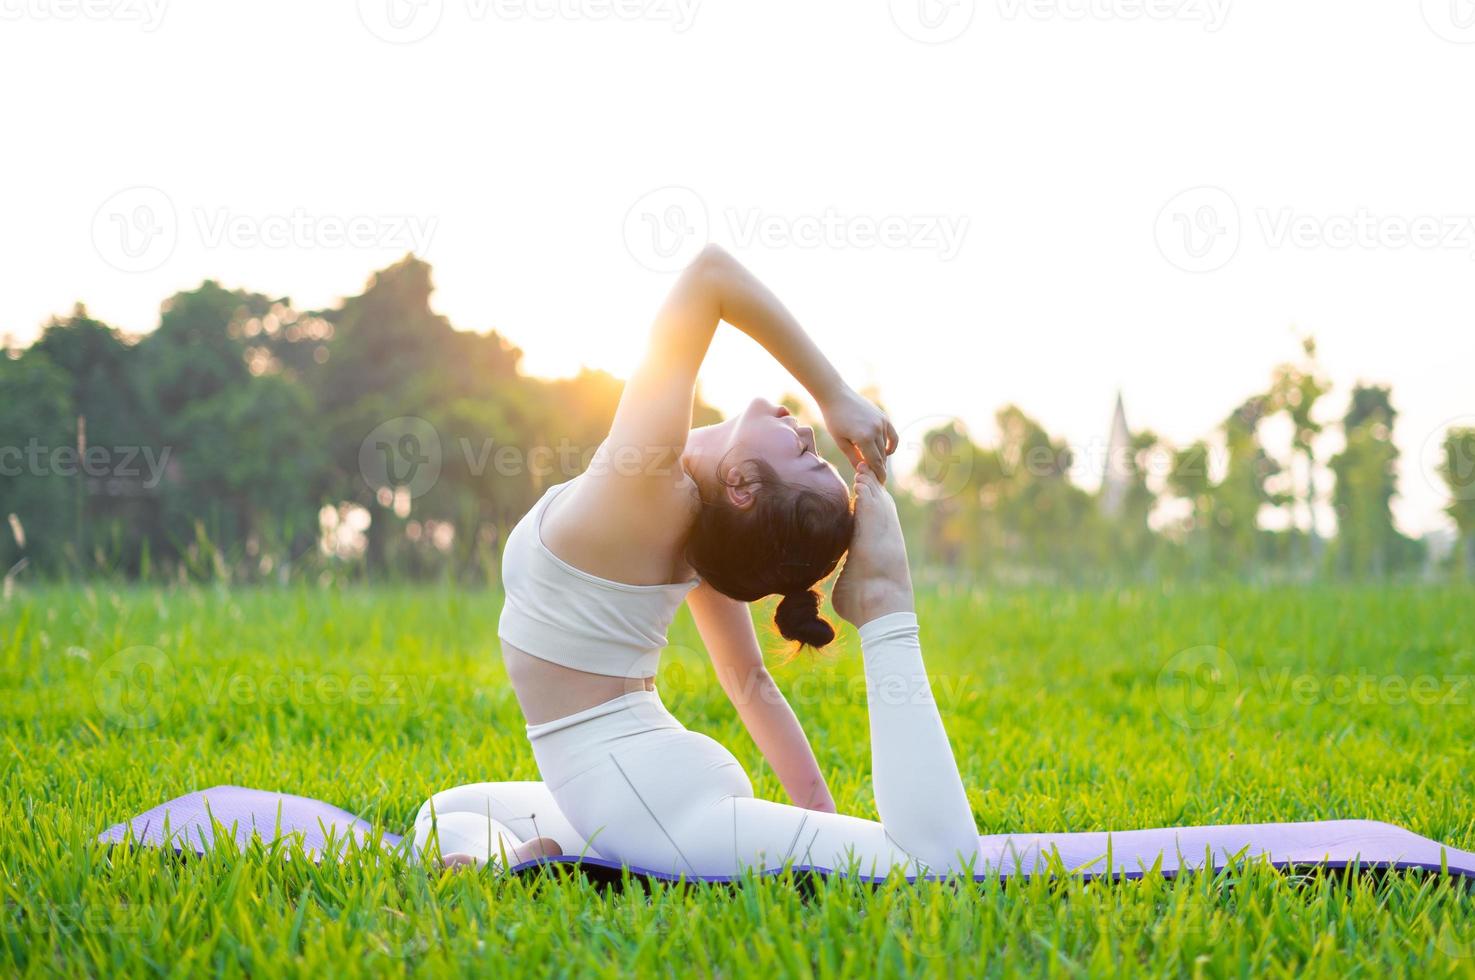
<point>919,794</point>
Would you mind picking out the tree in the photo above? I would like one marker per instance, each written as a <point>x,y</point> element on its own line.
<point>1190,481</point>
<point>1458,470</point>
<point>1046,520</point>
<point>1295,390</point>
<point>1368,543</point>
<point>1242,493</point>
<point>37,431</point>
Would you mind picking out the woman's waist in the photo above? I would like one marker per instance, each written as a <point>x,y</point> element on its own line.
<point>549,692</point>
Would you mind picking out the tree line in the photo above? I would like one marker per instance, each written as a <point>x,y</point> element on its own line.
<point>245,439</point>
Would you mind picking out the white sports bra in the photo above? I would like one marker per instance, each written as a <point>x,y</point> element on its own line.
<point>562,614</point>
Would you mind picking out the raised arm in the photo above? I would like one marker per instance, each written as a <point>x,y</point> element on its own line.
<point>654,413</point>
<point>727,631</point>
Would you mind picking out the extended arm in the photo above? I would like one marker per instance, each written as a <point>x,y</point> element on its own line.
<point>727,631</point>
<point>655,409</point>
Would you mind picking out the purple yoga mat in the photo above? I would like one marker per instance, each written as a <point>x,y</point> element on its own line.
<point>1335,844</point>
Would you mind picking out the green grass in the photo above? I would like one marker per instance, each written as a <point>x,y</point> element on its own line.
<point>1067,712</point>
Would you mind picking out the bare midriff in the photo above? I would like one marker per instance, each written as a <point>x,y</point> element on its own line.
<point>549,691</point>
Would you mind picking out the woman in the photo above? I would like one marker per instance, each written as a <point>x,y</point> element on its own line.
<point>717,517</point>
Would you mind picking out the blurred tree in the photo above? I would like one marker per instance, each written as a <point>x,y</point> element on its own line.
<point>1368,544</point>
<point>1132,541</point>
<point>1190,481</point>
<point>1295,389</point>
<point>1458,470</point>
<point>110,504</point>
<point>1240,496</point>
<point>197,351</point>
<point>253,472</point>
<point>1047,521</point>
<point>37,431</point>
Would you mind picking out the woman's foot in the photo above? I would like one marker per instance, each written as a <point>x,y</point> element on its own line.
<point>538,847</point>
<point>875,580</point>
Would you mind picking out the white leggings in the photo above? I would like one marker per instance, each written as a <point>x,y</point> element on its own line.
<point>625,781</point>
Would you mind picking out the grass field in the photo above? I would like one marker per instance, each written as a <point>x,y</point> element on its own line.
<point>1068,712</point>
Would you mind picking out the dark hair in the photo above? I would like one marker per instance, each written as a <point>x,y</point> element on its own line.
<point>788,540</point>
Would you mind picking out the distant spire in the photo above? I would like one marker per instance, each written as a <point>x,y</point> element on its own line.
<point>1117,477</point>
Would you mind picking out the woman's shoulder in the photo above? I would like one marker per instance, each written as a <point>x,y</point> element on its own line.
<point>620,528</point>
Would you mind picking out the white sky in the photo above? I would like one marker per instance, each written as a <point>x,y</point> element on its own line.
<point>524,138</point>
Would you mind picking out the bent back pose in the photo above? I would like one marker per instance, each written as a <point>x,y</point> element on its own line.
<point>719,517</point>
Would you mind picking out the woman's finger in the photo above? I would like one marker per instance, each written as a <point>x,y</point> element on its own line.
<point>876,457</point>
<point>892,439</point>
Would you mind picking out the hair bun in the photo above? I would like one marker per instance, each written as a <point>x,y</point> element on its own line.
<point>797,618</point>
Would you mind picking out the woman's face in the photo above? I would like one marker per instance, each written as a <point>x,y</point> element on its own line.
<point>768,432</point>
